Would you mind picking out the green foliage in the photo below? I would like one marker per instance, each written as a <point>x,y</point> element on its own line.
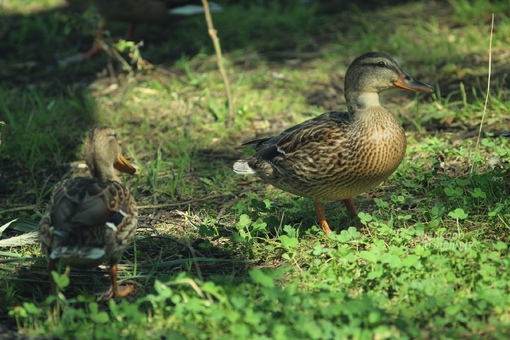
<point>288,25</point>
<point>469,12</point>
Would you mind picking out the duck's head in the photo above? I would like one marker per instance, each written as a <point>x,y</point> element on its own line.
<point>103,154</point>
<point>372,73</point>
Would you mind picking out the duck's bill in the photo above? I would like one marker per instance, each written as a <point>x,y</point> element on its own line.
<point>123,165</point>
<point>405,81</point>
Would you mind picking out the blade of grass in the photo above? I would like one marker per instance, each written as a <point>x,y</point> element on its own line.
<point>486,96</point>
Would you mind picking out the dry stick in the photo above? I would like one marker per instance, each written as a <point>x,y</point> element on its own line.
<point>176,204</point>
<point>25,207</point>
<point>486,95</point>
<point>202,199</point>
<point>217,48</point>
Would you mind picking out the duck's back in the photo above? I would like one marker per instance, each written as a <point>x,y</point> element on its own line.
<point>89,221</point>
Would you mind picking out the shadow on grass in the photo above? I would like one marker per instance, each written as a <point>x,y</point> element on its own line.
<point>149,263</point>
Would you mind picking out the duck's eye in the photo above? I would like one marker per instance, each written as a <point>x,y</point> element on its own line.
<point>381,63</point>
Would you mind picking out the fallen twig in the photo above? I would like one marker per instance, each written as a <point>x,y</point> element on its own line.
<point>207,198</point>
<point>25,207</point>
<point>176,204</point>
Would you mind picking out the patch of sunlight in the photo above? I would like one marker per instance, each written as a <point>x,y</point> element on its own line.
<point>25,7</point>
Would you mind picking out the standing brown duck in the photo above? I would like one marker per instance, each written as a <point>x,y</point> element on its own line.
<point>92,220</point>
<point>163,12</point>
<point>339,154</point>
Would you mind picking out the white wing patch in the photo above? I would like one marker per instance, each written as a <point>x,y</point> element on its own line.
<point>111,225</point>
<point>73,253</point>
<point>195,9</point>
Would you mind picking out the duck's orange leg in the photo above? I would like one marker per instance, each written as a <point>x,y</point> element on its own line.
<point>321,216</point>
<point>349,204</point>
<point>96,48</point>
<point>130,33</point>
<point>114,290</point>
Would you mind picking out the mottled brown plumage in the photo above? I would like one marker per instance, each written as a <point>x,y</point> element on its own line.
<point>339,154</point>
<point>92,220</point>
<point>143,11</point>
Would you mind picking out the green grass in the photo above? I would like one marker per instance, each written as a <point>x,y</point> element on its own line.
<point>228,256</point>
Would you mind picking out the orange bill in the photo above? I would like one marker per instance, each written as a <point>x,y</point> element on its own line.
<point>405,81</point>
<point>123,165</point>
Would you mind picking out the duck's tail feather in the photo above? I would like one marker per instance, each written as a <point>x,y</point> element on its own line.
<point>241,167</point>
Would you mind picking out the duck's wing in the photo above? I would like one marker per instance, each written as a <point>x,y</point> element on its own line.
<point>81,208</point>
<point>316,130</point>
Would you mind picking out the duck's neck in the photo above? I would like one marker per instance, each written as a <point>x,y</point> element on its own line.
<point>104,172</point>
<point>357,101</point>
<point>366,111</point>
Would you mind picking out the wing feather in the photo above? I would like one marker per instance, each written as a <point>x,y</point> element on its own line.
<point>298,136</point>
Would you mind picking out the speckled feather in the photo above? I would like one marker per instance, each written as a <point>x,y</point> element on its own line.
<point>79,211</point>
<point>91,220</point>
<point>341,165</point>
